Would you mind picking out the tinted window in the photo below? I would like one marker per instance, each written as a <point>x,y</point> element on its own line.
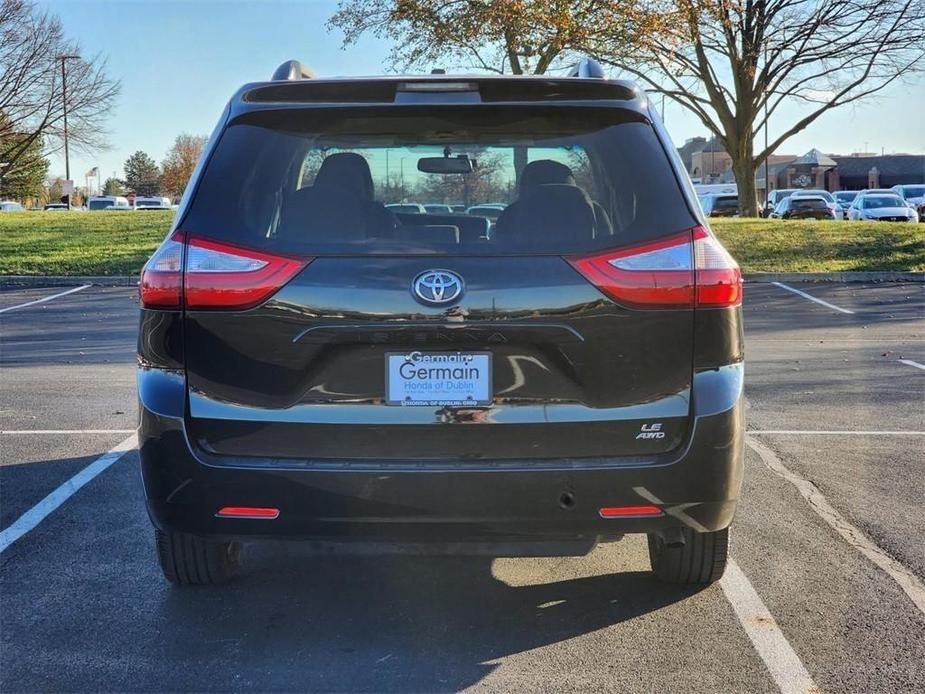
<point>914,191</point>
<point>99,204</point>
<point>726,202</point>
<point>317,181</point>
<point>846,195</point>
<point>807,204</point>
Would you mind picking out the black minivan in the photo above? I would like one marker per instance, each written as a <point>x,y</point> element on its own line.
<point>315,365</point>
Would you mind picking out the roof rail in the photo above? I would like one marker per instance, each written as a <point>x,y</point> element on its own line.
<point>587,67</point>
<point>292,70</point>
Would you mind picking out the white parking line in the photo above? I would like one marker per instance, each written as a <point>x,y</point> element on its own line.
<point>19,432</point>
<point>908,581</point>
<point>45,298</point>
<point>769,641</point>
<point>836,433</point>
<point>811,297</point>
<point>35,515</point>
<point>909,362</point>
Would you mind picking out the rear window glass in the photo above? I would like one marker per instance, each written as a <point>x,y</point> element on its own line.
<point>808,204</point>
<point>729,202</point>
<point>518,179</point>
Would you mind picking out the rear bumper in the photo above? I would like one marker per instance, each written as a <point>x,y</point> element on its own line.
<point>499,503</point>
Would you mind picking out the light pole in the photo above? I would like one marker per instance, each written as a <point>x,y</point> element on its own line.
<point>67,163</point>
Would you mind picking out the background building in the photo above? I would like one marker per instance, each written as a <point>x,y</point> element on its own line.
<point>707,162</point>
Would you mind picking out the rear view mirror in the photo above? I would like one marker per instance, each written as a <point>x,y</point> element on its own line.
<point>460,164</point>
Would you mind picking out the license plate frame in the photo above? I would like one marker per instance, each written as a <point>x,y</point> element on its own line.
<point>478,395</point>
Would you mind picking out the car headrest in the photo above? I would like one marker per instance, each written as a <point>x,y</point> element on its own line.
<point>346,170</point>
<point>317,213</point>
<point>553,215</point>
<point>544,171</point>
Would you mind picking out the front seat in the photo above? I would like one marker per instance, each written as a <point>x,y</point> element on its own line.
<point>546,172</point>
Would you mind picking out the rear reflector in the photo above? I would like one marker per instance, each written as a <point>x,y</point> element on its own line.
<point>630,511</point>
<point>248,512</point>
<point>681,271</point>
<point>214,275</point>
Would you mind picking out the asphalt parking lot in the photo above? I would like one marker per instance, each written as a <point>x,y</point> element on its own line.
<point>826,590</point>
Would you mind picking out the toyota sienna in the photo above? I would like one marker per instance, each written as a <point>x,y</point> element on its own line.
<point>315,365</point>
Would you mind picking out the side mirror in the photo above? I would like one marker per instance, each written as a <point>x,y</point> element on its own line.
<point>460,164</point>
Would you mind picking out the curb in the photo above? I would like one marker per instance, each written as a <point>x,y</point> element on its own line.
<point>835,276</point>
<point>26,281</point>
<point>7,281</point>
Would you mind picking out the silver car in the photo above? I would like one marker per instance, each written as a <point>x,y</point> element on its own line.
<point>881,207</point>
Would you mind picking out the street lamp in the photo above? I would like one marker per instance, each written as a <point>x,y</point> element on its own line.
<point>67,163</point>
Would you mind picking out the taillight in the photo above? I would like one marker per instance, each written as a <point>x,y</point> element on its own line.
<point>162,277</point>
<point>719,279</point>
<point>215,275</point>
<point>681,271</point>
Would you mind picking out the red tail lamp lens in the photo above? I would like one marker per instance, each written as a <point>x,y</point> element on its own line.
<point>248,512</point>
<point>630,511</point>
<point>682,271</point>
<point>208,274</point>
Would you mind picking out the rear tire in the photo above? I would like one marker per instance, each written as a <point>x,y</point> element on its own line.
<point>700,560</point>
<point>187,560</point>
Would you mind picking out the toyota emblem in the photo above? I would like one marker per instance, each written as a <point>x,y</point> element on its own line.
<point>437,287</point>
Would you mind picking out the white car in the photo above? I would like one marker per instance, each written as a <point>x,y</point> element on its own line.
<point>107,202</point>
<point>152,203</point>
<point>10,206</point>
<point>407,208</point>
<point>881,207</point>
<point>914,195</point>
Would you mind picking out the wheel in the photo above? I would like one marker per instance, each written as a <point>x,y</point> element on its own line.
<point>700,559</point>
<point>187,560</point>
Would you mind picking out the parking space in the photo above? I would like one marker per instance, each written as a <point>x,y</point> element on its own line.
<point>84,605</point>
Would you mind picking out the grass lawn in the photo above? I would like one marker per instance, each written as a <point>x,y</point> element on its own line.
<point>118,243</point>
<point>773,245</point>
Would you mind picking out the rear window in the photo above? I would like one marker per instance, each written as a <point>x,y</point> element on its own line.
<point>726,202</point>
<point>808,204</point>
<point>518,179</point>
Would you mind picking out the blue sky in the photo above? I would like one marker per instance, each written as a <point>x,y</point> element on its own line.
<point>179,61</point>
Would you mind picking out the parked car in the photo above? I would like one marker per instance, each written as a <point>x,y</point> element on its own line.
<point>803,207</point>
<point>882,207</point>
<point>844,198</point>
<point>108,202</point>
<point>308,372</point>
<point>437,208</point>
<point>914,195</point>
<point>152,203</point>
<point>774,198</point>
<point>11,206</point>
<point>56,207</point>
<point>490,210</point>
<point>825,195</point>
<point>407,207</point>
<point>717,205</point>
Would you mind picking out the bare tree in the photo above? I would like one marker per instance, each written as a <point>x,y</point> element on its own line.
<point>734,63</point>
<point>31,96</point>
<point>498,36</point>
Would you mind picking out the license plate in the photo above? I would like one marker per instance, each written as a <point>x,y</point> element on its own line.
<point>438,379</point>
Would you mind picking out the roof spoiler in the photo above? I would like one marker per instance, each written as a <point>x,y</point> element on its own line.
<point>292,70</point>
<point>587,67</point>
